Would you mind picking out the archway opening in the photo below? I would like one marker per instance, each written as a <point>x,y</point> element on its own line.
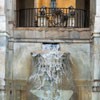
<point>29,13</point>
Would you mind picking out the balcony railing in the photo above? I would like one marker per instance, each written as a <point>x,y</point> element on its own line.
<point>52,17</point>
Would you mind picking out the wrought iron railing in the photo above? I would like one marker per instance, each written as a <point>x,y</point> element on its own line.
<point>52,17</point>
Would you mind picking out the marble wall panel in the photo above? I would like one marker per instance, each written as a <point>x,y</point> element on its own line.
<point>52,33</point>
<point>80,59</point>
<point>2,7</point>
<point>22,59</point>
<point>3,46</point>
<point>2,23</point>
<point>3,43</point>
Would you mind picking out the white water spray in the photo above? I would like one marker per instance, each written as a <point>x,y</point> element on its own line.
<point>50,67</point>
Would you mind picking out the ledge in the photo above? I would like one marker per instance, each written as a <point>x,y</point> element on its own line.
<point>50,40</point>
<point>53,28</point>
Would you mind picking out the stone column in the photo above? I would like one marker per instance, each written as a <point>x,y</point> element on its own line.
<point>96,64</point>
<point>3,49</point>
<point>96,54</point>
<point>2,16</point>
<point>97,17</point>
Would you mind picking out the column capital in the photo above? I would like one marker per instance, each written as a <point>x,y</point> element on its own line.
<point>95,35</point>
<point>4,34</point>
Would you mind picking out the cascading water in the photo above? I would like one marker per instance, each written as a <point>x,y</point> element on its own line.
<point>47,76</point>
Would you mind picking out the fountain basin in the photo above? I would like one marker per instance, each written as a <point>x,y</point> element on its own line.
<point>51,95</point>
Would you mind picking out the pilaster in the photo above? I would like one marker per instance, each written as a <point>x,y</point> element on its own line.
<point>3,49</point>
<point>96,53</point>
<point>3,52</point>
<point>96,64</point>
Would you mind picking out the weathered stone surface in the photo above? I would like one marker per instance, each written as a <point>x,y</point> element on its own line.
<point>22,59</point>
<point>2,7</point>
<point>85,35</point>
<point>3,43</point>
<point>2,23</point>
<point>74,35</point>
<point>40,34</point>
<point>3,46</point>
<point>29,34</point>
<point>96,57</point>
<point>59,33</point>
<point>19,34</point>
<point>80,53</point>
<point>97,24</point>
<point>80,59</point>
<point>79,56</point>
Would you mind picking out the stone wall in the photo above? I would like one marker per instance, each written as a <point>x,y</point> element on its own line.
<point>52,33</point>
<point>80,56</point>
<point>27,40</point>
<point>80,61</point>
<point>23,41</point>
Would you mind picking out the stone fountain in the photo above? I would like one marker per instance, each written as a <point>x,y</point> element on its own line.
<point>51,76</point>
